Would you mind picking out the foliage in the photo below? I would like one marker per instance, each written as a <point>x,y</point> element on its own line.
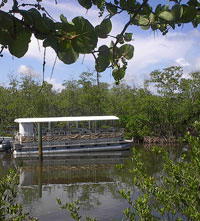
<point>168,112</point>
<point>167,81</point>
<point>176,194</point>
<point>173,195</point>
<point>69,39</point>
<point>9,208</point>
<point>74,210</point>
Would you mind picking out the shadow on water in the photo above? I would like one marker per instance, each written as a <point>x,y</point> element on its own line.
<point>92,179</point>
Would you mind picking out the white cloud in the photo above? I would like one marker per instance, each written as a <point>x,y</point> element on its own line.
<point>71,9</point>
<point>182,62</point>
<point>196,64</point>
<point>37,51</point>
<point>56,85</point>
<point>27,71</point>
<point>159,52</point>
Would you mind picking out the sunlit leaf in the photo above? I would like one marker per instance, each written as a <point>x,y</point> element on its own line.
<point>127,51</point>
<point>84,39</point>
<point>167,16</point>
<point>152,18</point>
<point>143,22</point>
<point>118,74</point>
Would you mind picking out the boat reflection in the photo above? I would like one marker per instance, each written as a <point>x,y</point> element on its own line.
<point>91,178</point>
<point>69,169</point>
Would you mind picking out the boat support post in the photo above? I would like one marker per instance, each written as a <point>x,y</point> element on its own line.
<point>40,153</point>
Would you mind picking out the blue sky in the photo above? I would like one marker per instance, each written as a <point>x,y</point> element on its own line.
<point>152,51</point>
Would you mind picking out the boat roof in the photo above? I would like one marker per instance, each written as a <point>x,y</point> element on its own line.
<point>64,119</point>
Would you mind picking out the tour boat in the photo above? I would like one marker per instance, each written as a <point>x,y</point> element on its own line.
<point>69,135</point>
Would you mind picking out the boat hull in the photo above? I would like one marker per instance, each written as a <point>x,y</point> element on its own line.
<point>53,150</point>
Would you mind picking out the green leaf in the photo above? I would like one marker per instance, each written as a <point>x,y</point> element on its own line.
<point>5,37</point>
<point>128,36</point>
<point>27,16</point>
<point>118,74</point>
<point>126,51</point>
<point>116,2</point>
<point>85,38</point>
<point>167,16</point>
<point>48,22</point>
<point>63,19</point>
<point>19,45</point>
<point>177,12</point>
<point>152,18</point>
<point>36,18</point>
<point>145,27</point>
<point>51,41</point>
<point>64,26</point>
<point>158,9</point>
<point>123,4</point>
<point>63,49</point>
<point>165,7</point>
<point>103,59</point>
<point>112,9</point>
<point>104,28</point>
<point>189,14</point>
<point>85,3</point>
<point>41,24</point>
<point>66,53</point>
<point>105,51</point>
<point>6,21</point>
<point>40,36</point>
<point>120,39</point>
<point>143,21</point>
<point>101,63</point>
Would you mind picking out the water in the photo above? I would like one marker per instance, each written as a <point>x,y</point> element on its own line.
<point>92,179</point>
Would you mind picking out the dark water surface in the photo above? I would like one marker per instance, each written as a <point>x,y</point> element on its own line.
<point>92,179</point>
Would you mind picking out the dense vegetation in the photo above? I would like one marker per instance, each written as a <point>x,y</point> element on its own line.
<point>166,106</point>
<point>171,195</point>
<point>9,208</point>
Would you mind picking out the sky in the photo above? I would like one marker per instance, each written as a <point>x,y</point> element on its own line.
<point>152,51</point>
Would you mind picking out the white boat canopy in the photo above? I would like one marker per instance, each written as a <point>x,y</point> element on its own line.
<point>64,119</point>
<point>26,124</point>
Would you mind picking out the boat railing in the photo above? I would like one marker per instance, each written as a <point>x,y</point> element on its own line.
<point>58,131</point>
<point>73,136</point>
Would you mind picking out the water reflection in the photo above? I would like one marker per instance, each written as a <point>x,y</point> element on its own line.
<point>93,179</point>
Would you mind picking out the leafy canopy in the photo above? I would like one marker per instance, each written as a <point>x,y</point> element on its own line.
<point>69,39</point>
